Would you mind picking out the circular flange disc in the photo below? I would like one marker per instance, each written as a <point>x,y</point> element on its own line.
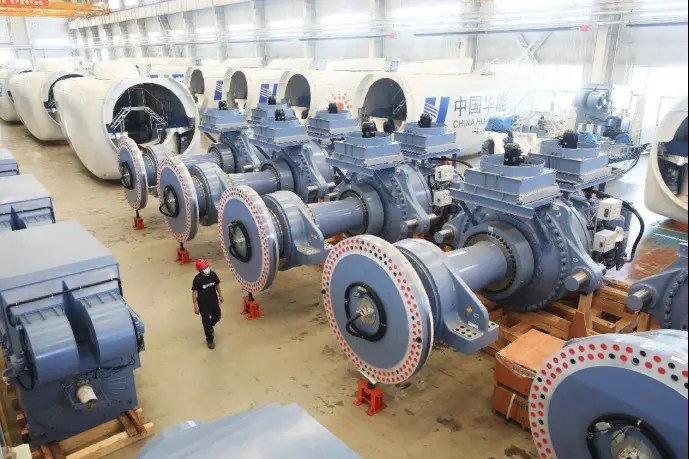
<point>132,163</point>
<point>406,344</point>
<point>241,207</point>
<point>639,375</point>
<point>174,177</point>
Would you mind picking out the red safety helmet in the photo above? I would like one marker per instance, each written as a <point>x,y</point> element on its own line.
<point>201,264</point>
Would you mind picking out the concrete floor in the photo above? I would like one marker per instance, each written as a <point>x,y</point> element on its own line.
<point>288,356</point>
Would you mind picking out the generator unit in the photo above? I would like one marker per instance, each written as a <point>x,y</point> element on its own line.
<point>517,243</point>
<point>664,296</point>
<point>139,168</point>
<point>7,70</point>
<point>382,193</point>
<point>8,165</point>
<point>24,203</point>
<point>189,197</point>
<point>287,432</point>
<point>70,340</point>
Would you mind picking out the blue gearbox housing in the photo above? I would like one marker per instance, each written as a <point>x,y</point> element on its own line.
<point>517,242</point>
<point>189,196</point>
<point>70,340</point>
<point>8,165</point>
<point>24,203</point>
<point>381,193</point>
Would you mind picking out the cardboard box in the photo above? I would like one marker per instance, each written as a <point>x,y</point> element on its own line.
<point>511,404</point>
<point>516,365</point>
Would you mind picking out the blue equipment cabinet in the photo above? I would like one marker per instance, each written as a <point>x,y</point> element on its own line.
<point>24,203</point>
<point>70,340</point>
<point>8,165</point>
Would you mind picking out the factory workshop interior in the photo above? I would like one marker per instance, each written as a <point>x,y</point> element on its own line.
<point>344,229</point>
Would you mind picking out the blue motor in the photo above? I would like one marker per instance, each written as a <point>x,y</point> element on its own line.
<point>190,196</point>
<point>382,193</point>
<point>8,165</point>
<point>70,340</point>
<point>24,203</point>
<point>268,432</point>
<point>517,242</point>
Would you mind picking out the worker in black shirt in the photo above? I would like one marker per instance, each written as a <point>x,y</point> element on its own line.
<point>207,296</point>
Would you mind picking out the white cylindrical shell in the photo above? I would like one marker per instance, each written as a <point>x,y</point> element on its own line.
<point>7,71</point>
<point>245,87</point>
<point>174,71</point>
<point>30,92</point>
<point>86,107</point>
<point>206,82</point>
<point>658,197</point>
<point>463,102</point>
<point>313,90</point>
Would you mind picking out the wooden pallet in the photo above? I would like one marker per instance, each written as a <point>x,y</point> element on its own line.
<point>99,441</point>
<point>575,316</point>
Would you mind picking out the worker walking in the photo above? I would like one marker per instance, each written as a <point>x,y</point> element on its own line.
<point>207,296</point>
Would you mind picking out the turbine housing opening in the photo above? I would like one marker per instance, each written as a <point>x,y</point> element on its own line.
<point>386,105</point>
<point>49,103</point>
<point>298,95</point>
<point>149,114</point>
<point>197,87</point>
<point>238,91</point>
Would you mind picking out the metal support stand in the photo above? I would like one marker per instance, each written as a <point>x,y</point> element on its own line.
<point>368,393</point>
<point>251,307</point>
<point>138,222</point>
<point>183,257</point>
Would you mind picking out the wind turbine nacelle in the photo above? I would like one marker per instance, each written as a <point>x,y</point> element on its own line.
<point>33,95</point>
<point>7,71</point>
<point>97,111</point>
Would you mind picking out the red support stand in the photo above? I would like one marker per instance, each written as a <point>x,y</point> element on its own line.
<point>183,257</point>
<point>138,223</point>
<point>251,307</point>
<point>371,395</point>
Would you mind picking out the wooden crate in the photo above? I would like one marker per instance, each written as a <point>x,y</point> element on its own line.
<point>101,440</point>
<point>575,316</point>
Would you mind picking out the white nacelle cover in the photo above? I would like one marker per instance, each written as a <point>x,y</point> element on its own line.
<point>658,196</point>
<point>206,82</point>
<point>87,107</point>
<point>7,71</point>
<point>174,71</point>
<point>315,89</point>
<point>31,91</point>
<point>464,102</point>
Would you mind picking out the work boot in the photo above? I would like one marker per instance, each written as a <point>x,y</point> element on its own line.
<point>211,345</point>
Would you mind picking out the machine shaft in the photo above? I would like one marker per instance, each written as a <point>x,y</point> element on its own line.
<point>263,182</point>
<point>479,265</point>
<point>337,217</point>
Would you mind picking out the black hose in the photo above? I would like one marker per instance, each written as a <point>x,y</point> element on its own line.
<point>623,420</point>
<point>457,161</point>
<point>642,224</point>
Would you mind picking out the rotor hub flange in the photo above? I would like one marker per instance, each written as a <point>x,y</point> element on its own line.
<point>248,238</point>
<point>133,173</point>
<point>377,308</point>
<point>580,392</point>
<point>178,200</point>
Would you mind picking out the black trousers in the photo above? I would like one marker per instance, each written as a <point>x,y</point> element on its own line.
<point>210,315</point>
